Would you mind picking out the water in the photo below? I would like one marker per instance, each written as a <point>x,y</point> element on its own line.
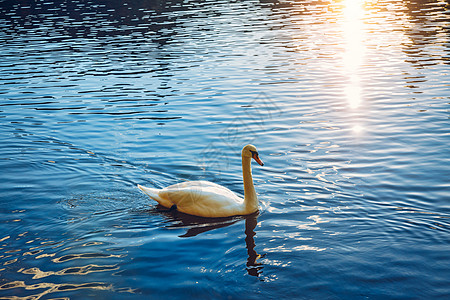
<point>348,105</point>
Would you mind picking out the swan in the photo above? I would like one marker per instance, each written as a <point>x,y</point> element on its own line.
<point>208,199</point>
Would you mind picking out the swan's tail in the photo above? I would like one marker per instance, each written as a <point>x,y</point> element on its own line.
<point>154,194</point>
<point>151,192</point>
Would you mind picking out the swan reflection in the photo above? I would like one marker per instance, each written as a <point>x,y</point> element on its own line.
<point>197,225</point>
<point>254,267</point>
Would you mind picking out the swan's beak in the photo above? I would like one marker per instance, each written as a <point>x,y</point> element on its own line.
<point>256,158</point>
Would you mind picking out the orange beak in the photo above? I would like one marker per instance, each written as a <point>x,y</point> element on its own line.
<point>255,156</point>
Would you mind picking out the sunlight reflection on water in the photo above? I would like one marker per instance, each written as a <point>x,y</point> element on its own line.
<point>347,102</point>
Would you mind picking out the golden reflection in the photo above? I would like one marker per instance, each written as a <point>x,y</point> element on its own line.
<point>68,271</point>
<point>68,257</point>
<point>4,238</point>
<point>36,286</point>
<point>51,288</point>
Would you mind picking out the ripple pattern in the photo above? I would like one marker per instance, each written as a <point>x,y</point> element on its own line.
<point>347,102</point>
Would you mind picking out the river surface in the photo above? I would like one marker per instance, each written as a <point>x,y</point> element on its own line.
<point>347,102</point>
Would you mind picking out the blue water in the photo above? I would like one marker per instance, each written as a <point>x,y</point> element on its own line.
<point>347,102</point>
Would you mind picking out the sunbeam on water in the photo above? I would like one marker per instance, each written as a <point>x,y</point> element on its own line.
<point>347,102</point>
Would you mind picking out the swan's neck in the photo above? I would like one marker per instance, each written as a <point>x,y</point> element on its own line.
<point>250,199</point>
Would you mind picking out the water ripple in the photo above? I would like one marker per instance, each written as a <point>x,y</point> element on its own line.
<point>346,100</point>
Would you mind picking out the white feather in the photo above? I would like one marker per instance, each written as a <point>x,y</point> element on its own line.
<point>208,199</point>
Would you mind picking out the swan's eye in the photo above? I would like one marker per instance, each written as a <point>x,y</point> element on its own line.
<point>255,156</point>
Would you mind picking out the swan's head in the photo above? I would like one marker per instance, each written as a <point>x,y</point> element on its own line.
<point>250,151</point>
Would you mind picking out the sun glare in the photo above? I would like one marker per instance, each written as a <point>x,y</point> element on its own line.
<point>354,53</point>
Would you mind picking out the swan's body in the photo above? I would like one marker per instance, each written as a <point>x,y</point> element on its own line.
<point>208,199</point>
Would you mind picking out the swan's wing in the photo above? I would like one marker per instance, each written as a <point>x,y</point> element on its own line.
<point>191,192</point>
<point>203,198</point>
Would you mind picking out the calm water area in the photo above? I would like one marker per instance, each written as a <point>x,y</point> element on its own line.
<point>347,102</point>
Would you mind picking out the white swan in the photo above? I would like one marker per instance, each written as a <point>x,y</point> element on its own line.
<point>207,199</point>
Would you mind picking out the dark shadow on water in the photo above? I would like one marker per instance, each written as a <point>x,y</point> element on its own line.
<point>197,225</point>
<point>254,268</point>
